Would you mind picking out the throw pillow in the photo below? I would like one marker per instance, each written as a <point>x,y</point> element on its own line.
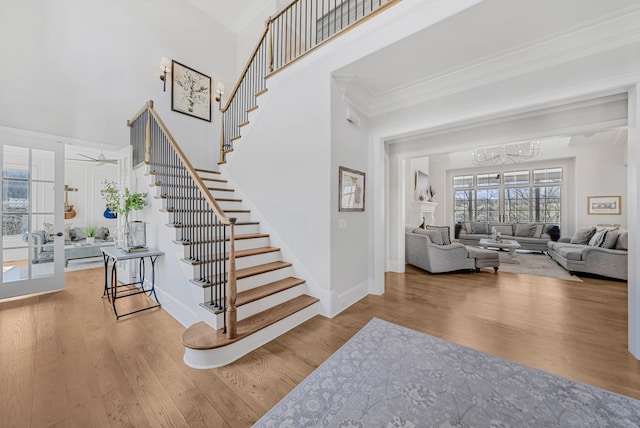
<point>444,230</point>
<point>434,235</point>
<point>539,230</point>
<point>48,228</point>
<point>76,233</point>
<point>610,238</point>
<point>583,236</point>
<point>623,240</point>
<point>67,230</point>
<point>503,228</point>
<point>102,233</point>
<point>598,237</point>
<point>467,227</point>
<point>525,230</point>
<point>479,228</point>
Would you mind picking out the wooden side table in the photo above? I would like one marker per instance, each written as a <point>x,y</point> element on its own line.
<point>115,291</point>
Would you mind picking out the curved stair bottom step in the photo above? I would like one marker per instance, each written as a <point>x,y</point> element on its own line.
<point>218,357</point>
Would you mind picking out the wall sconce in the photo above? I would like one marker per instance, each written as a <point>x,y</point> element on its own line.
<point>165,66</point>
<point>219,93</point>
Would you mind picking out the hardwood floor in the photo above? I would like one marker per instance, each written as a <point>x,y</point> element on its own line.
<point>66,362</point>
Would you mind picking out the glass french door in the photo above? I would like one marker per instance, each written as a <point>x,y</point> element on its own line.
<point>32,217</point>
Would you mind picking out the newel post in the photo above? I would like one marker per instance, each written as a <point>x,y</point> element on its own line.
<point>270,25</point>
<point>147,137</point>
<point>232,327</point>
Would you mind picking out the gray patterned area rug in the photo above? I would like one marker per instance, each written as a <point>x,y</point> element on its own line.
<point>390,376</point>
<point>534,264</point>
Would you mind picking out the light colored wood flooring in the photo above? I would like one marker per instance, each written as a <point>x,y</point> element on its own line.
<point>66,362</point>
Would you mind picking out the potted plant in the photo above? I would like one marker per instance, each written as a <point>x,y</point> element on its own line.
<point>122,203</point>
<point>90,234</point>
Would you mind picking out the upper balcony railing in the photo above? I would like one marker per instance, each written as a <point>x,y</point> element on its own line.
<point>295,31</point>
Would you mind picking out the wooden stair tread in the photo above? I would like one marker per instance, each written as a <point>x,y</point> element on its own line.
<point>256,251</point>
<point>260,269</point>
<point>238,238</point>
<point>181,225</point>
<point>217,180</point>
<point>206,170</point>
<point>220,189</point>
<point>239,254</point>
<point>250,109</point>
<point>267,290</point>
<point>243,124</point>
<point>201,336</point>
<point>262,92</point>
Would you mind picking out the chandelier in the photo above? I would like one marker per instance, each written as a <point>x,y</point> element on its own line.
<point>500,155</point>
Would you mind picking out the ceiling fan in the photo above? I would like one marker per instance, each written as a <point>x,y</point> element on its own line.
<point>100,160</point>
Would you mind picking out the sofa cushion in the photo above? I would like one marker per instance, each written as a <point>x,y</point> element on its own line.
<point>444,231</point>
<point>610,238</point>
<point>434,235</point>
<point>503,228</point>
<point>525,230</point>
<point>623,240</point>
<point>583,235</point>
<point>479,227</point>
<point>571,253</point>
<point>466,226</point>
<point>598,237</point>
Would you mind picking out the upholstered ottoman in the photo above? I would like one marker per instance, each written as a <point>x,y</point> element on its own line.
<point>484,258</point>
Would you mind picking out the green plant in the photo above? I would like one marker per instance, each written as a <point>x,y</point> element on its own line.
<point>90,231</point>
<point>122,203</point>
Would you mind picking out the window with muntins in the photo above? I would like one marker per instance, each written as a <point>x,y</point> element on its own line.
<point>523,196</point>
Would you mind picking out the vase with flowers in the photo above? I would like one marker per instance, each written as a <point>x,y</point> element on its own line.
<point>122,203</point>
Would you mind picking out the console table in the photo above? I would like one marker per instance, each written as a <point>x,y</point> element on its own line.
<point>115,291</point>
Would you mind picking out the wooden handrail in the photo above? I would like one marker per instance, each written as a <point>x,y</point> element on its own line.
<point>246,69</point>
<point>190,169</point>
<point>280,46</point>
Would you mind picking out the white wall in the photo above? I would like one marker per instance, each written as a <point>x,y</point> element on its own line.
<point>285,165</point>
<point>79,70</point>
<point>350,231</point>
<point>88,203</point>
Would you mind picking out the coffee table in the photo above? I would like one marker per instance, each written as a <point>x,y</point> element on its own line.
<point>508,244</point>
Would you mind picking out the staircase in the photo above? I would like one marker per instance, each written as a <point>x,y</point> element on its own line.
<point>256,287</point>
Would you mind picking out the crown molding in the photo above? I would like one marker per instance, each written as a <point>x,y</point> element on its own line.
<point>620,28</point>
<point>353,94</point>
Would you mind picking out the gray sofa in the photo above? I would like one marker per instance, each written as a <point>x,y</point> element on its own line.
<point>426,249</point>
<point>530,236</point>
<point>577,255</point>
<point>75,248</point>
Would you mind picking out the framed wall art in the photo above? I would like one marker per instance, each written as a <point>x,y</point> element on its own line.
<point>351,188</point>
<point>603,205</point>
<point>190,92</point>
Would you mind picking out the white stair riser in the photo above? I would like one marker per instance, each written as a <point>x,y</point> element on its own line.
<point>230,205</point>
<point>268,302</point>
<point>218,194</point>
<point>258,259</point>
<point>246,244</point>
<point>208,175</point>
<point>245,229</point>
<point>264,278</point>
<point>241,217</point>
<point>213,358</point>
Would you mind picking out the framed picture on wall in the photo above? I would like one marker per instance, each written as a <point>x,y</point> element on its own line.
<point>190,92</point>
<point>604,205</point>
<point>351,188</point>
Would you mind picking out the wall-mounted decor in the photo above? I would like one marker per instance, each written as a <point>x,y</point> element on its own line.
<point>351,186</point>
<point>190,92</point>
<point>421,184</point>
<point>604,205</point>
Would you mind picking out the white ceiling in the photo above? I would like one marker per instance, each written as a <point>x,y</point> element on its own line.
<point>227,12</point>
<point>463,50</point>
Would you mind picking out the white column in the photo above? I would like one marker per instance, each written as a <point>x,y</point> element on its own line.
<point>633,198</point>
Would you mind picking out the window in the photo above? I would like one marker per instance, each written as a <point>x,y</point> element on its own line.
<point>523,196</point>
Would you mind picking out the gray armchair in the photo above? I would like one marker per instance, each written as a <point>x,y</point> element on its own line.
<point>422,252</point>
<point>41,252</point>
